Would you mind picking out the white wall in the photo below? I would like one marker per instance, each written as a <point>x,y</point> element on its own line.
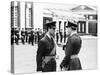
<point>38,16</point>
<point>22,15</point>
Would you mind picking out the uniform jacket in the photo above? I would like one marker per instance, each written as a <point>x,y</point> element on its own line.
<point>73,46</point>
<point>45,47</point>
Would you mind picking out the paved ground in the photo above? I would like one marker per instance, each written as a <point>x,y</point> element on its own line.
<point>25,56</point>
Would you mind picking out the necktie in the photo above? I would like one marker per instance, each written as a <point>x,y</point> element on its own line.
<point>52,41</point>
<point>54,47</point>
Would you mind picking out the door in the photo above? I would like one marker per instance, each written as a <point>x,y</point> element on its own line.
<point>81,27</point>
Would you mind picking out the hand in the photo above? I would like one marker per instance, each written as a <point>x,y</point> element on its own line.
<point>61,66</point>
<point>64,69</point>
<point>57,56</point>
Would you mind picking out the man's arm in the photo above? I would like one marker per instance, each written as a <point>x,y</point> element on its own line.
<point>41,48</point>
<point>68,53</point>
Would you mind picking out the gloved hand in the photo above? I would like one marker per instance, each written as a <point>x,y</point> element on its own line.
<point>61,66</point>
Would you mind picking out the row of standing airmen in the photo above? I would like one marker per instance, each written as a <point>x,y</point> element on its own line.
<point>33,37</point>
<point>30,37</point>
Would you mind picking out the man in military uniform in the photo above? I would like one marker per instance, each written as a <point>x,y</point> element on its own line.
<point>26,35</point>
<point>46,52</point>
<point>72,48</point>
<point>23,36</point>
<point>12,36</point>
<point>16,36</point>
<point>65,37</point>
<point>29,37</point>
<point>57,36</point>
<point>32,37</point>
<point>35,37</point>
<point>61,36</point>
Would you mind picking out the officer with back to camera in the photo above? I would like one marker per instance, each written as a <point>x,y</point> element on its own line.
<point>71,60</point>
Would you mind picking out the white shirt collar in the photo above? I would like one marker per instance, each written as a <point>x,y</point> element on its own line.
<point>48,35</point>
<point>73,33</point>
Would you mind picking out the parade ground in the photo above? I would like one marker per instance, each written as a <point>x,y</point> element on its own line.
<point>25,55</point>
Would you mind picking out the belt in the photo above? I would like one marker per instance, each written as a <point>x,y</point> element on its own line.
<point>48,58</point>
<point>74,56</point>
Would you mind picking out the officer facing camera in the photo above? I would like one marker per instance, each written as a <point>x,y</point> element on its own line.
<point>46,53</point>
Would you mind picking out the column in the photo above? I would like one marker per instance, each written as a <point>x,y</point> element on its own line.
<point>22,11</point>
<point>28,15</point>
<point>15,14</point>
<point>87,24</point>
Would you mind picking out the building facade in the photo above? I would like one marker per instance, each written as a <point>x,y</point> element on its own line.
<point>87,26</point>
<point>29,15</point>
<point>15,15</point>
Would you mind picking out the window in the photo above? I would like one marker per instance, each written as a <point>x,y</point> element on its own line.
<point>92,17</point>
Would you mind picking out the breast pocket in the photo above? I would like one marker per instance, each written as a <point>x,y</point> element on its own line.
<point>49,48</point>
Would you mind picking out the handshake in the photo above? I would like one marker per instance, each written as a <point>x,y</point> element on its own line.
<point>64,47</point>
<point>63,68</point>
